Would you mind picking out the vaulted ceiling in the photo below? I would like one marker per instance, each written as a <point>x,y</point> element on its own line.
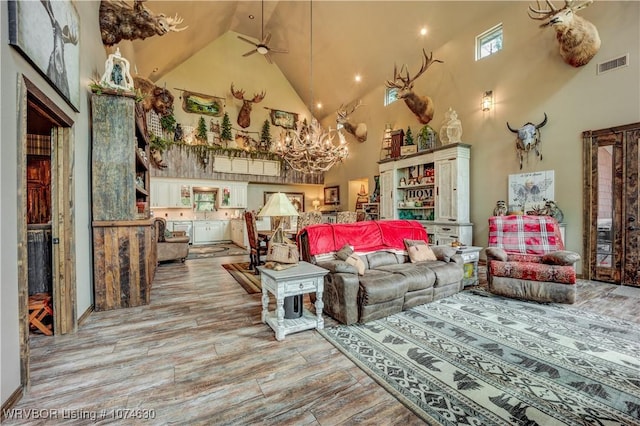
<point>329,42</point>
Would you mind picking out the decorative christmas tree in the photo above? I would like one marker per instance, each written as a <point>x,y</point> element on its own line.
<point>202,131</point>
<point>408,137</point>
<point>265,136</point>
<point>226,135</point>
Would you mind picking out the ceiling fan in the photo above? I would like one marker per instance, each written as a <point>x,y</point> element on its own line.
<point>262,47</point>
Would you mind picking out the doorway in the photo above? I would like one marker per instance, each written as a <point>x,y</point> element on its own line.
<point>45,202</point>
<point>612,211</point>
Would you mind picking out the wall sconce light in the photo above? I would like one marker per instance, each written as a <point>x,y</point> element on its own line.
<point>316,204</point>
<point>487,100</point>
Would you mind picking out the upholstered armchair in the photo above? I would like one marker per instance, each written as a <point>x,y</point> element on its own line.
<point>171,245</point>
<point>526,260</point>
<point>308,218</point>
<point>346,217</point>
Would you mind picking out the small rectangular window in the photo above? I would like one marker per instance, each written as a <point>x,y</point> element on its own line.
<point>489,42</point>
<point>390,95</point>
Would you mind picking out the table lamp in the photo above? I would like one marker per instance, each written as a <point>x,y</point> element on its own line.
<point>278,206</point>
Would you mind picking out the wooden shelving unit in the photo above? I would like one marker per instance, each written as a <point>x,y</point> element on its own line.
<point>124,241</point>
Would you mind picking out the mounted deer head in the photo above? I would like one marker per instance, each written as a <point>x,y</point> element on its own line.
<point>119,21</point>
<point>244,116</point>
<point>359,130</point>
<point>421,106</point>
<point>528,138</point>
<point>578,38</point>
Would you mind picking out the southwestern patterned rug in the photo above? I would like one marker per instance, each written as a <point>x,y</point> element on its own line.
<point>244,276</point>
<point>479,359</point>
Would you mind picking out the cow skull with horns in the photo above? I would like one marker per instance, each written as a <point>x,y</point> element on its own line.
<point>528,138</point>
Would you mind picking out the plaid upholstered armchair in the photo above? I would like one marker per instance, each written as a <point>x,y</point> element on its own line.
<point>526,260</point>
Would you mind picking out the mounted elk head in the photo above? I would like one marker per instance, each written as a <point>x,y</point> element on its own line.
<point>119,21</point>
<point>244,116</point>
<point>359,130</point>
<point>528,138</point>
<point>578,38</point>
<point>421,106</point>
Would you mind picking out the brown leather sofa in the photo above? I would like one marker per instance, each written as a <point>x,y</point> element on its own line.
<point>389,282</point>
<point>171,245</point>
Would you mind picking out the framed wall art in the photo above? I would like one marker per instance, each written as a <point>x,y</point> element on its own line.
<point>332,195</point>
<point>284,119</point>
<point>198,103</point>
<point>527,191</point>
<point>47,34</point>
<point>296,198</point>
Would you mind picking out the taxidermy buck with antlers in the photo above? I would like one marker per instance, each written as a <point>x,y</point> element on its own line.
<point>119,21</point>
<point>421,106</point>
<point>359,130</point>
<point>578,38</point>
<point>244,116</point>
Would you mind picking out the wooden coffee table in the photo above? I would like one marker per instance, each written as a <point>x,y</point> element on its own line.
<point>300,279</point>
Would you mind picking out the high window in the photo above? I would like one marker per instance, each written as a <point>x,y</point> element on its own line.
<point>390,95</point>
<point>489,42</point>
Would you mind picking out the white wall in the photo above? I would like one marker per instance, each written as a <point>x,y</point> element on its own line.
<point>528,78</point>
<point>212,70</point>
<point>13,65</point>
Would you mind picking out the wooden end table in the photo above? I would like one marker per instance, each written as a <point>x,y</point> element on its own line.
<point>300,279</point>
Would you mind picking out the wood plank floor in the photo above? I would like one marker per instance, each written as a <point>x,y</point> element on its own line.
<point>199,354</point>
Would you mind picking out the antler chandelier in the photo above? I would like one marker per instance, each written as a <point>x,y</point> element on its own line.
<point>309,149</point>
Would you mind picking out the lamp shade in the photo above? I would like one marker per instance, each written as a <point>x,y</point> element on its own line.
<point>278,205</point>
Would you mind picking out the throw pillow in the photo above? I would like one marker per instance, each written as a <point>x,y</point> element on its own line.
<point>419,251</point>
<point>444,253</point>
<point>561,257</point>
<point>344,252</point>
<point>168,234</point>
<point>496,253</point>
<point>355,260</point>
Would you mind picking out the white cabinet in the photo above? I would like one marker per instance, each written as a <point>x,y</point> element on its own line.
<point>252,166</point>
<point>431,187</point>
<point>233,196</point>
<point>386,193</point>
<point>170,194</point>
<point>452,181</point>
<point>211,231</point>
<point>237,233</point>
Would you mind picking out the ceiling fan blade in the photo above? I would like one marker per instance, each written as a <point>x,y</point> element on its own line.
<point>268,56</point>
<point>247,40</point>
<point>251,52</point>
<point>266,38</point>
<point>274,50</point>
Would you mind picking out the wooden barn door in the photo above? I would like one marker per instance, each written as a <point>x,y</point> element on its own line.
<point>612,211</point>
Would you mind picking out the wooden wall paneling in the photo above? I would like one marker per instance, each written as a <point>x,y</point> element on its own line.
<point>62,231</point>
<point>182,162</point>
<point>631,271</point>
<point>123,263</point>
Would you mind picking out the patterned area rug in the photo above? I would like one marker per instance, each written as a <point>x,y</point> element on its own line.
<point>479,359</point>
<point>244,276</point>
<point>215,250</point>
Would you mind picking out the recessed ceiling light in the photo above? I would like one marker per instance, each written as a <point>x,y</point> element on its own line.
<point>251,17</point>
<point>358,77</point>
<point>319,105</point>
<point>423,31</point>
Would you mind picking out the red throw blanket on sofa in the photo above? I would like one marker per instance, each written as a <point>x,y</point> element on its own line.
<point>364,236</point>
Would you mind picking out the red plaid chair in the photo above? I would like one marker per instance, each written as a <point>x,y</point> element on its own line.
<point>526,259</point>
